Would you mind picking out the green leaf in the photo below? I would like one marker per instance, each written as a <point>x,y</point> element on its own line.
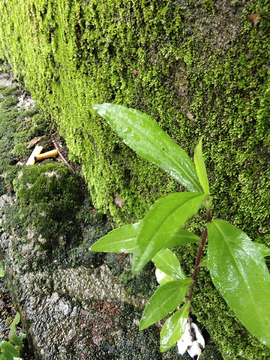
<point>167,261</point>
<point>181,237</point>
<point>8,350</point>
<point>163,278</point>
<point>123,240</point>
<point>144,136</point>
<point>120,240</point>
<point>238,271</point>
<point>265,251</point>
<point>165,300</point>
<point>203,262</point>
<point>200,167</point>
<point>2,273</point>
<point>13,337</point>
<point>164,218</point>
<point>174,328</point>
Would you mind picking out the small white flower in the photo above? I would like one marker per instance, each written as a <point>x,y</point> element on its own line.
<point>192,344</point>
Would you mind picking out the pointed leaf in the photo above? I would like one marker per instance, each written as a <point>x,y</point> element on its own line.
<point>8,350</point>
<point>239,272</point>
<point>13,337</point>
<point>200,167</point>
<point>160,224</point>
<point>203,262</point>
<point>120,240</point>
<point>174,328</point>
<point>181,237</point>
<point>144,136</point>
<point>163,278</point>
<point>165,300</point>
<point>265,251</point>
<point>167,261</point>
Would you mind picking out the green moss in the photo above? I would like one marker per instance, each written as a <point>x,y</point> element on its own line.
<point>9,102</point>
<point>208,61</point>
<point>11,91</point>
<point>49,197</point>
<point>17,128</point>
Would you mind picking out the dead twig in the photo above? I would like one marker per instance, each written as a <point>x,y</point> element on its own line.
<point>61,156</point>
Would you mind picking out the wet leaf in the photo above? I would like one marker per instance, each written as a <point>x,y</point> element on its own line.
<point>160,224</point>
<point>8,350</point>
<point>124,239</point>
<point>165,300</point>
<point>238,271</point>
<point>120,240</point>
<point>265,251</point>
<point>167,261</point>
<point>174,328</point>
<point>163,278</point>
<point>182,237</point>
<point>144,136</point>
<point>200,167</point>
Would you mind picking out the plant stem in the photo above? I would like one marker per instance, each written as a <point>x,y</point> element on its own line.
<point>199,255</point>
<point>61,156</point>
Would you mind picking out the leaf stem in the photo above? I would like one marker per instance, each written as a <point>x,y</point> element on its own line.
<point>199,255</point>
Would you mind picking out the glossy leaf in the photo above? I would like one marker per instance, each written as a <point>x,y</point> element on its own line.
<point>165,300</point>
<point>182,237</point>
<point>164,218</point>
<point>120,240</point>
<point>238,271</point>
<point>203,262</point>
<point>144,136</point>
<point>167,261</point>
<point>200,167</point>
<point>8,350</point>
<point>174,328</point>
<point>163,278</point>
<point>265,251</point>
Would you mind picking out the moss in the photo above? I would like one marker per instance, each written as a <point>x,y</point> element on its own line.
<point>49,197</point>
<point>17,128</point>
<point>210,63</point>
<point>9,102</point>
<point>11,91</point>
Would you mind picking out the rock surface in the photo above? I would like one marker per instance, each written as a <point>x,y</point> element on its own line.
<point>71,301</point>
<point>79,312</point>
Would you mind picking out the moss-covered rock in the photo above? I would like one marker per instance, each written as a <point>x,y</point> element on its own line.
<point>49,196</point>
<point>198,68</point>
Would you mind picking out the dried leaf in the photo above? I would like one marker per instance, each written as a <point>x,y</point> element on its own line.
<point>118,201</point>
<point>34,141</point>
<point>190,116</point>
<point>254,18</point>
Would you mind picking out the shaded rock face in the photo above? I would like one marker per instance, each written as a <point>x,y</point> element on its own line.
<point>72,310</point>
<point>73,303</point>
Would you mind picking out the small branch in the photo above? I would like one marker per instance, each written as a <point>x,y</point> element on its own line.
<point>199,255</point>
<point>62,157</point>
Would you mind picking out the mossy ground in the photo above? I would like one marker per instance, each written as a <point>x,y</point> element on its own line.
<point>202,68</point>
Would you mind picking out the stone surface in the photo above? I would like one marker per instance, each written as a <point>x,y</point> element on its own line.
<point>74,312</point>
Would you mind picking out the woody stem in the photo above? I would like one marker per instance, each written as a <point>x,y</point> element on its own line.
<point>199,255</point>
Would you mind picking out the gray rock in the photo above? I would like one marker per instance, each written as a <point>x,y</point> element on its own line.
<point>75,312</point>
